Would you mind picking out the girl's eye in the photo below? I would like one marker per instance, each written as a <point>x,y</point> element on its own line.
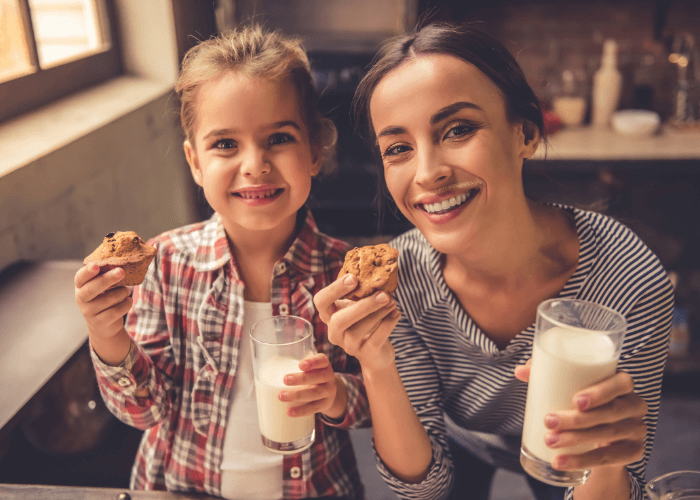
<point>459,131</point>
<point>225,144</point>
<point>395,149</point>
<point>280,138</point>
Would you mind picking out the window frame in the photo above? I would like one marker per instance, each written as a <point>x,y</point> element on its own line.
<point>42,86</point>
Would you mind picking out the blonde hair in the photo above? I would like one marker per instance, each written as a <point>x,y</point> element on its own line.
<point>259,54</point>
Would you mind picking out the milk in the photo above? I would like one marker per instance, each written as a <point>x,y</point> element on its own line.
<point>274,422</point>
<point>564,361</point>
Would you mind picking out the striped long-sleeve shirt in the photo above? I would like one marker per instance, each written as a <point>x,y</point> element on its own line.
<point>462,385</point>
<point>187,325</point>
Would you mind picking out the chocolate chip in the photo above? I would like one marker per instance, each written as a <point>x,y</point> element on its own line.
<point>123,496</point>
<point>109,235</point>
<point>137,239</point>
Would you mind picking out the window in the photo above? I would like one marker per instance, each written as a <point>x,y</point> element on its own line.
<point>50,48</point>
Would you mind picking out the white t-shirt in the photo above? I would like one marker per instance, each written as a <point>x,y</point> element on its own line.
<point>249,471</point>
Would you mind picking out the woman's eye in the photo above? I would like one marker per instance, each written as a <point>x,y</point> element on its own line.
<point>276,139</point>
<point>225,144</point>
<point>396,149</point>
<point>459,131</point>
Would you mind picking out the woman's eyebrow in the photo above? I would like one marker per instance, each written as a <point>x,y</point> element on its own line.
<point>452,109</point>
<point>391,131</point>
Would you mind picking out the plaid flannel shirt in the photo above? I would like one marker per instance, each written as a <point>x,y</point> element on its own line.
<point>186,324</point>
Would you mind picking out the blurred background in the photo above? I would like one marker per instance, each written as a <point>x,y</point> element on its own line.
<point>91,143</point>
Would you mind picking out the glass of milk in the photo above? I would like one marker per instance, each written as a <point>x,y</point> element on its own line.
<point>681,485</point>
<point>279,343</point>
<point>576,345</point>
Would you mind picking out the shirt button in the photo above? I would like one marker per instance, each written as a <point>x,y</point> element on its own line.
<point>124,382</point>
<point>284,309</point>
<point>281,267</point>
<point>295,472</point>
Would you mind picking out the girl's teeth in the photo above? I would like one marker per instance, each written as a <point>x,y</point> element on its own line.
<point>266,194</point>
<point>432,208</point>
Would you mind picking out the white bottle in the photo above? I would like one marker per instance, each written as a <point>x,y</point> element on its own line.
<point>607,84</point>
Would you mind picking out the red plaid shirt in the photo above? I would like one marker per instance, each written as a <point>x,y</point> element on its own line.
<point>187,323</point>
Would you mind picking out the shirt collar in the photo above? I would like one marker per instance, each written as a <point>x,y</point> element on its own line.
<point>305,253</point>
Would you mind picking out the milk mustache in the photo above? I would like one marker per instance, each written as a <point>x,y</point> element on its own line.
<point>274,422</point>
<point>566,360</point>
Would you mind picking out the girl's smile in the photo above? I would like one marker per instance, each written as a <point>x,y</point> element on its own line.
<point>256,196</point>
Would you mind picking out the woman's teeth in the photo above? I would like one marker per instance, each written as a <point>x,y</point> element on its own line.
<point>444,205</point>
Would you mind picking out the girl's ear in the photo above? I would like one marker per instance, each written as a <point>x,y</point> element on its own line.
<point>191,155</point>
<point>530,136</point>
<point>316,160</point>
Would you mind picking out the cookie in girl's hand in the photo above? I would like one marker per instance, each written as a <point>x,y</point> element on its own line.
<point>376,268</point>
<point>126,250</point>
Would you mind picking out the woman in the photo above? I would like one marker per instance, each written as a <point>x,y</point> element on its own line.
<point>454,119</point>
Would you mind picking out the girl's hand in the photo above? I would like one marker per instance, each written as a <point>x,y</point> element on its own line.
<point>608,418</point>
<point>361,328</point>
<point>316,387</point>
<point>102,309</point>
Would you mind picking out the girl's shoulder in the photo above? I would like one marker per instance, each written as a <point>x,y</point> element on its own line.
<point>185,239</point>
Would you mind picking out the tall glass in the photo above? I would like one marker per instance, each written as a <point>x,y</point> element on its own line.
<point>577,344</point>
<point>279,343</point>
<point>681,485</point>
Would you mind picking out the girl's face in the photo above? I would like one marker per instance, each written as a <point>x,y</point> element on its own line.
<point>251,152</point>
<point>452,161</point>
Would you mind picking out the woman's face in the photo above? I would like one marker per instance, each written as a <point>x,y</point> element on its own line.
<point>452,161</point>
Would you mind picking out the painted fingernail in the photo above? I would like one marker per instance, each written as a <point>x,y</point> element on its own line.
<point>283,395</point>
<point>118,272</point>
<point>382,297</point>
<point>94,268</point>
<point>561,461</point>
<point>288,379</point>
<point>551,421</point>
<point>551,439</point>
<point>349,279</point>
<point>582,402</point>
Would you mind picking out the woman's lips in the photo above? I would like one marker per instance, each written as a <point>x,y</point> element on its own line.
<point>442,211</point>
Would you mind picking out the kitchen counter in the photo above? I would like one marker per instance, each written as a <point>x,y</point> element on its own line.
<point>40,328</point>
<point>604,144</point>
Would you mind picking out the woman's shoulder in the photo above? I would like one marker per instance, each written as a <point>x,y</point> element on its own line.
<point>617,254</point>
<point>413,246</point>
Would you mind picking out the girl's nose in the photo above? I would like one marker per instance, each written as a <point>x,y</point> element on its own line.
<point>254,164</point>
<point>431,169</point>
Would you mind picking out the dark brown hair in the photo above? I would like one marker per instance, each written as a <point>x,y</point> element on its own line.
<point>469,42</point>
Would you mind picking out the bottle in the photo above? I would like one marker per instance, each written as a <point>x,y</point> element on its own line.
<point>607,84</point>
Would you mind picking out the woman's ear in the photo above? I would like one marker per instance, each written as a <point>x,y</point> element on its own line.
<point>530,138</point>
<point>191,156</point>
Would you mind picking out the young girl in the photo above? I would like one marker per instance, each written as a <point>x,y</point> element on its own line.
<point>454,120</point>
<point>181,369</point>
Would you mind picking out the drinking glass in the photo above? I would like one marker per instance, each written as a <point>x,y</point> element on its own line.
<point>681,485</point>
<point>577,344</point>
<point>279,343</point>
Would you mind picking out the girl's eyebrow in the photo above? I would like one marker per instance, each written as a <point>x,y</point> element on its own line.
<point>273,126</point>
<point>445,112</point>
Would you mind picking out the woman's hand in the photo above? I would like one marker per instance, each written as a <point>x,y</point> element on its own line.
<point>316,388</point>
<point>361,328</point>
<point>102,309</point>
<point>608,417</point>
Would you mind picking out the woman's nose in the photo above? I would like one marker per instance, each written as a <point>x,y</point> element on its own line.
<point>254,163</point>
<point>431,168</point>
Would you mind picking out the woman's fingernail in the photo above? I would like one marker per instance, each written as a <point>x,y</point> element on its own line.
<point>349,279</point>
<point>582,402</point>
<point>395,314</point>
<point>283,395</point>
<point>551,439</point>
<point>551,421</point>
<point>288,379</point>
<point>382,297</point>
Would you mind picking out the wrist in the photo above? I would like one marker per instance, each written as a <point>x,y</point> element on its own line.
<point>112,350</point>
<point>340,402</point>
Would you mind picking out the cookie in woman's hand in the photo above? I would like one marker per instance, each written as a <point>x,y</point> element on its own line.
<point>376,268</point>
